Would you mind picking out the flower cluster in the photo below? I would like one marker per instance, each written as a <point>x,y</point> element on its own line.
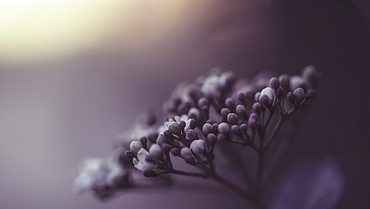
<point>203,116</point>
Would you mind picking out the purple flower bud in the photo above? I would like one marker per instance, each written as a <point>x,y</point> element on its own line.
<point>257,96</point>
<point>279,92</point>
<point>299,95</point>
<point>129,154</point>
<point>257,107</point>
<point>175,152</point>
<point>215,127</point>
<point>230,103</point>
<point>210,121</point>
<point>232,118</point>
<point>264,100</point>
<point>284,81</point>
<point>274,83</point>
<point>225,111</point>
<point>212,138</point>
<point>249,94</point>
<point>252,122</point>
<point>222,137</point>
<point>167,134</point>
<point>254,115</point>
<point>207,128</point>
<point>224,128</point>
<point>143,140</point>
<point>231,79</point>
<point>150,158</point>
<point>310,94</point>
<point>203,102</point>
<point>166,148</point>
<point>193,135</point>
<point>205,108</point>
<point>182,124</point>
<point>175,128</point>
<point>241,96</point>
<point>189,159</point>
<point>193,123</point>
<point>183,108</point>
<point>240,110</point>
<point>291,97</point>
<point>153,137</point>
<point>243,128</point>
<point>161,139</point>
<point>235,130</point>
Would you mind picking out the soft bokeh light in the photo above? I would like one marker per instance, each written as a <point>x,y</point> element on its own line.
<point>44,30</point>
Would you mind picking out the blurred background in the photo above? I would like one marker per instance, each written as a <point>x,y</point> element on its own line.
<point>74,75</point>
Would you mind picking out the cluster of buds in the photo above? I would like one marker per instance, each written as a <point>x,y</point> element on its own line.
<point>214,110</point>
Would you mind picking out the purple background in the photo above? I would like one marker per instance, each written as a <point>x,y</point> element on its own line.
<point>55,114</point>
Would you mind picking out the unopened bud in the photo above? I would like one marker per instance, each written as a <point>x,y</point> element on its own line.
<point>310,94</point>
<point>175,128</point>
<point>257,107</point>
<point>240,110</point>
<point>129,154</point>
<point>269,93</point>
<point>225,111</point>
<point>232,118</point>
<point>274,83</point>
<point>189,159</point>
<point>230,103</point>
<point>194,111</point>
<point>291,97</point>
<point>203,102</point>
<point>185,151</point>
<point>193,123</point>
<point>224,128</point>
<point>284,82</point>
<point>211,138</point>
<point>192,134</point>
<point>235,130</point>
<point>197,146</point>
<point>299,95</point>
<point>207,128</point>
<point>175,152</point>
<point>156,151</point>
<point>135,146</point>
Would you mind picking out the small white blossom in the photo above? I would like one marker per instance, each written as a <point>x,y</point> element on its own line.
<point>213,84</point>
<point>141,163</point>
<point>98,173</point>
<point>177,119</point>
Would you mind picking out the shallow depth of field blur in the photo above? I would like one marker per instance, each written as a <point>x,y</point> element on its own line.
<point>74,75</point>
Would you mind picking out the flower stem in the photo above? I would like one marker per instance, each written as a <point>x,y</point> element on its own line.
<point>184,173</point>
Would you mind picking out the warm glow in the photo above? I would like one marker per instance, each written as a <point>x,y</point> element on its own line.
<point>43,30</point>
